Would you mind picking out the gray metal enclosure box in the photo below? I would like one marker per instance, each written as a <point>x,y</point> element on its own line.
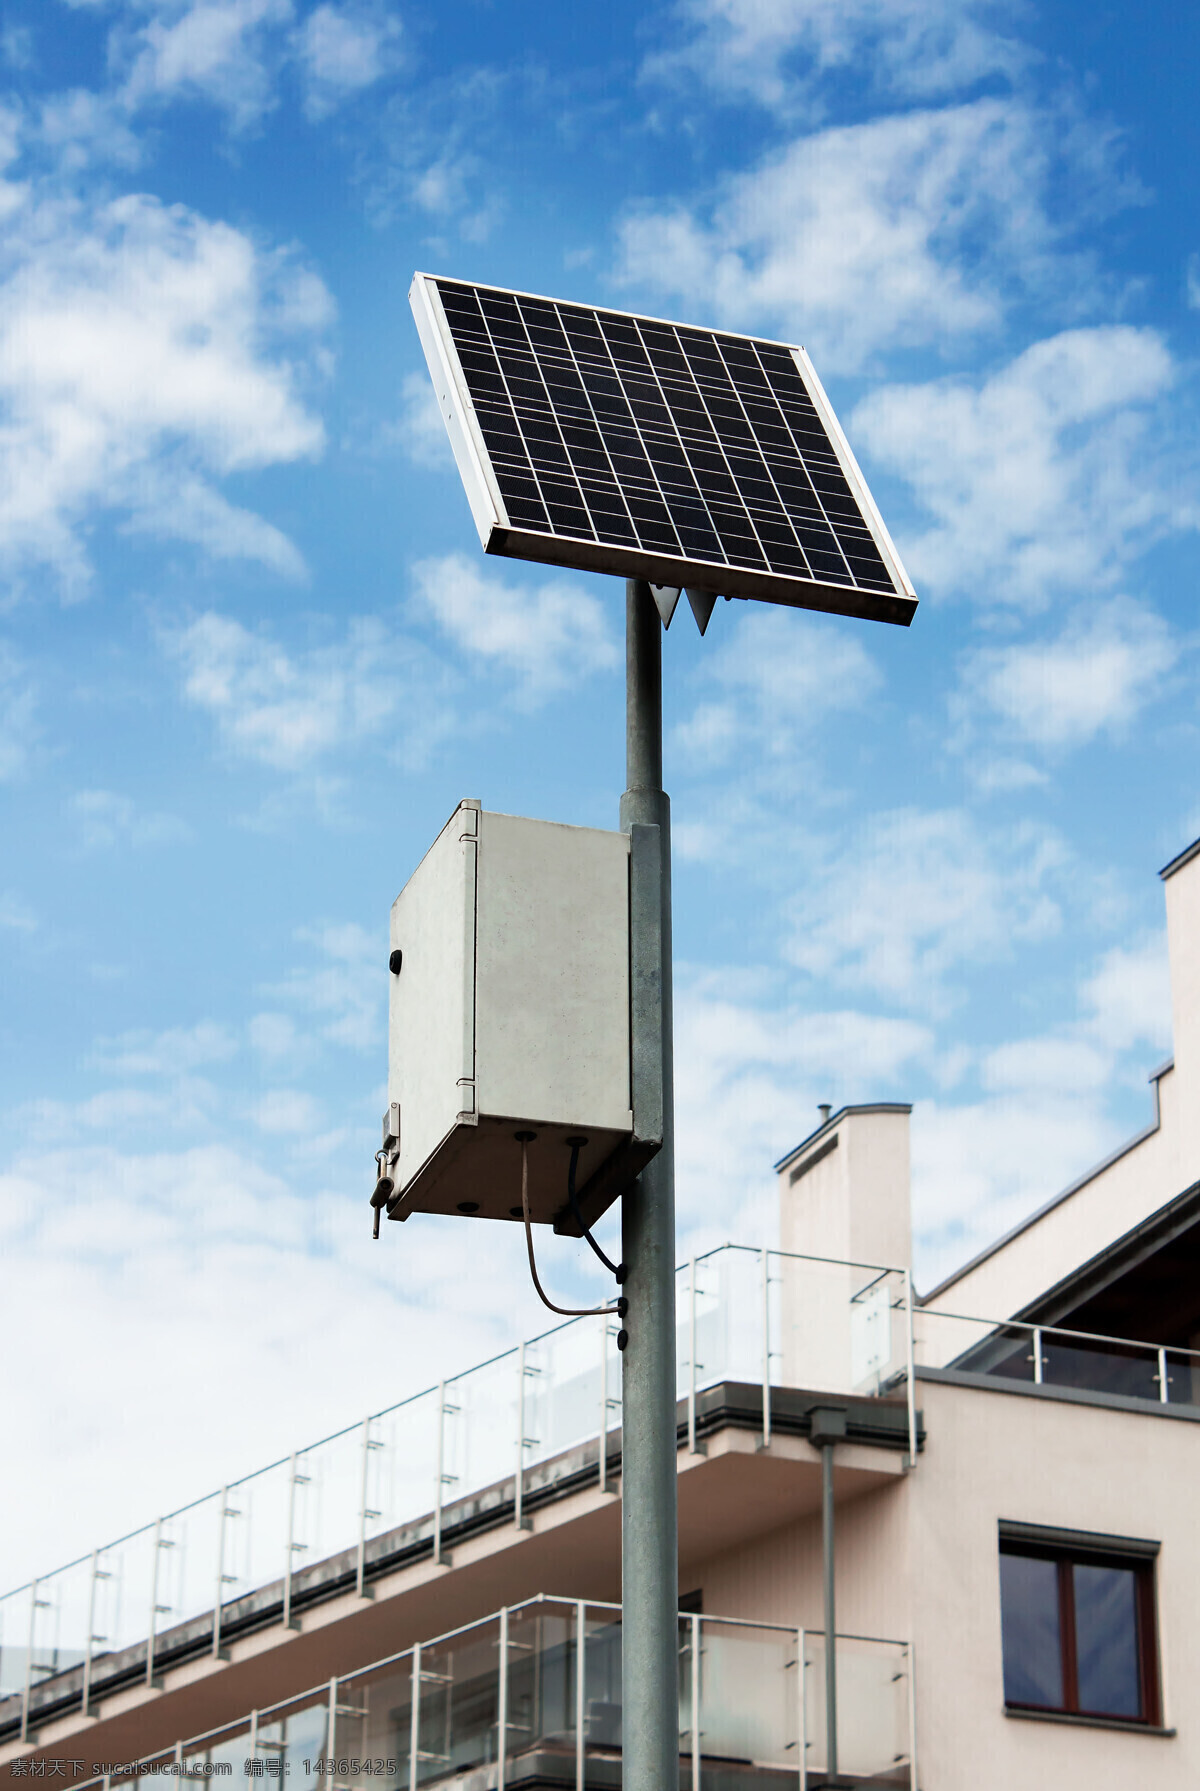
<point>511,1012</point>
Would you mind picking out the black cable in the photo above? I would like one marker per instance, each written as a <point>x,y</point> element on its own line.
<point>563,1311</point>
<point>617,1269</point>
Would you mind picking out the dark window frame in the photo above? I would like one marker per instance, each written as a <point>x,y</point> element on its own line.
<point>1068,1549</point>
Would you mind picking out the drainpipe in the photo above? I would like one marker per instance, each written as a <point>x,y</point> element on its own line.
<point>828,1429</point>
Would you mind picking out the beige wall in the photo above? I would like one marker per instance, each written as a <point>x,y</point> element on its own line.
<point>919,1559</point>
<point>854,1203</point>
<point>1001,1455</point>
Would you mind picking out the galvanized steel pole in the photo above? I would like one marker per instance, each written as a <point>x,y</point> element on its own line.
<point>649,1524</point>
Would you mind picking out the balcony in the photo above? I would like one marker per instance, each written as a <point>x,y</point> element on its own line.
<point>486,1446</point>
<point>532,1696</point>
<point>1109,1370</point>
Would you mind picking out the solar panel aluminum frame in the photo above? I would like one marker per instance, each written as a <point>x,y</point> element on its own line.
<point>499,536</point>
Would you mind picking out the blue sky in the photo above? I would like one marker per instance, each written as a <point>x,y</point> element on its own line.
<point>251,655</point>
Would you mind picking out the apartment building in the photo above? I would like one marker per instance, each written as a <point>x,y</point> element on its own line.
<point>431,1598</point>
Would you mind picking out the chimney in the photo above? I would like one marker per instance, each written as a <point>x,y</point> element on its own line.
<point>844,1192</point>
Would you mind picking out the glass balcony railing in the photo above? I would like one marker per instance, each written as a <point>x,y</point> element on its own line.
<point>1050,1356</point>
<point>533,1695</point>
<point>331,1510</point>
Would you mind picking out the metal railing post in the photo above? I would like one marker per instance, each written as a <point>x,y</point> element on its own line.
<point>580,1671</point>
<point>603,1462</point>
<point>911,1368</point>
<point>219,1593</point>
<point>1164,1393</point>
<point>502,1705</point>
<point>802,1724</point>
<point>415,1727</point>
<point>151,1636</point>
<point>440,1474</point>
<point>695,1702</point>
<point>253,1733</point>
<point>766,1381</point>
<point>85,1697</point>
<point>519,1517</point>
<point>692,1356</point>
<point>331,1732</point>
<point>1038,1360</point>
<point>294,1480</point>
<point>365,1512</point>
<point>33,1610</point>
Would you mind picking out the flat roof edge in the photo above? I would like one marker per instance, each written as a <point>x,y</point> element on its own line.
<point>834,1119</point>
<point>1177,864</point>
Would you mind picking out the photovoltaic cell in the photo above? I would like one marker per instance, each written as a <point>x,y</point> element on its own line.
<point>686,456</point>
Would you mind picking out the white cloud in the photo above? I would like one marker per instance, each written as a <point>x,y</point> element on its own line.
<point>231,1261</point>
<point>221,51</point>
<point>917,896</point>
<point>16,46</point>
<point>286,709</point>
<point>1063,1067</point>
<point>144,351</point>
<point>1126,1000</point>
<point>1045,1116</point>
<point>748,1079</point>
<point>287,1113</point>
<point>176,1052</point>
<point>981,1167</point>
<point>18,702</point>
<point>343,49</point>
<point>909,231</point>
<point>548,636</point>
<point>420,431</point>
<point>105,818</point>
<point>1093,677</point>
<point>1045,476</point>
<point>779,52</point>
<point>345,989</point>
<point>780,674</point>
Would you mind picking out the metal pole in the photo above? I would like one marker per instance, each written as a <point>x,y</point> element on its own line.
<point>649,1511</point>
<point>1164,1384</point>
<point>1038,1359</point>
<point>827,1541</point>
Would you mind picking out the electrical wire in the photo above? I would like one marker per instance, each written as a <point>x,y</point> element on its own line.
<point>617,1269</point>
<point>563,1311</point>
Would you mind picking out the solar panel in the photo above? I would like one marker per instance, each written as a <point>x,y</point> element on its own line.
<point>616,443</point>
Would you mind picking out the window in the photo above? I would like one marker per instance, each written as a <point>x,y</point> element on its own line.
<point>1077,1615</point>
